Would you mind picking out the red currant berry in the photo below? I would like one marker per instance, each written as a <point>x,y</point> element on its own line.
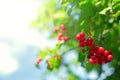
<point>38,61</point>
<point>60,34</point>
<point>55,29</point>
<point>78,37</point>
<point>92,61</point>
<point>109,57</point>
<point>66,38</point>
<point>81,40</point>
<point>60,38</point>
<point>82,34</point>
<point>89,40</point>
<point>85,43</point>
<point>99,60</point>
<point>101,49</point>
<point>63,27</point>
<point>104,59</point>
<point>110,52</point>
<point>96,48</point>
<point>92,45</point>
<point>82,44</point>
<point>106,53</point>
<point>92,51</point>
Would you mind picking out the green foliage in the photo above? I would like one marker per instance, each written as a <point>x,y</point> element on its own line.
<point>54,62</point>
<point>97,18</point>
<point>72,77</point>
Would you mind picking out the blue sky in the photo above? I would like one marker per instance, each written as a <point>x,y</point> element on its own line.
<point>19,44</point>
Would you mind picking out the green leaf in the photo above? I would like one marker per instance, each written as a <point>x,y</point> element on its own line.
<point>104,11</point>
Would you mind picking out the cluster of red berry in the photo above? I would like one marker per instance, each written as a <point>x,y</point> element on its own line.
<point>97,55</point>
<point>61,35</point>
<point>83,41</point>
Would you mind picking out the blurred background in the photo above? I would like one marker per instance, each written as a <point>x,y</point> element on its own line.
<point>19,44</point>
<point>23,32</point>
